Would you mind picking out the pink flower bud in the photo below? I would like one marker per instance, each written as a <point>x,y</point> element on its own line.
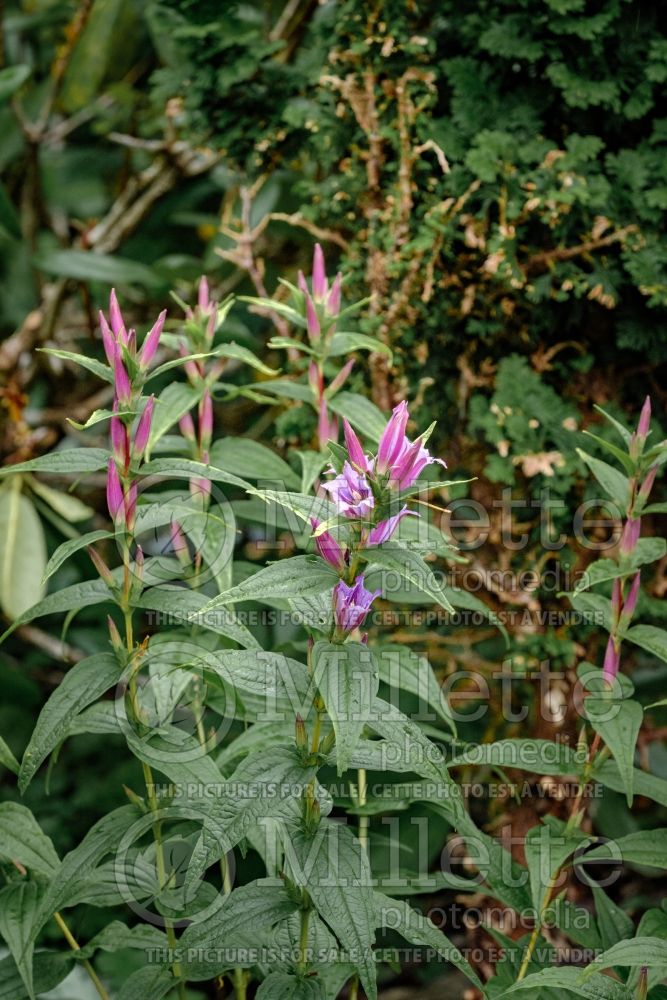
<point>393,439</point>
<point>341,378</point>
<point>612,660</point>
<point>114,491</point>
<point>130,501</point>
<point>120,442</point>
<point>315,379</point>
<point>131,343</point>
<point>630,536</point>
<point>644,419</point>
<point>647,485</point>
<point>116,317</point>
<point>108,339</point>
<point>187,427</point>
<point>192,368</point>
<point>319,274</point>
<point>203,297</point>
<point>329,548</point>
<point>302,283</point>
<point>101,567</point>
<point>313,323</point>
<point>150,344</point>
<point>143,431</point>
<point>121,379</point>
<point>326,429</point>
<point>205,420</point>
<point>333,298</point>
<point>114,635</point>
<point>630,602</point>
<point>357,457</point>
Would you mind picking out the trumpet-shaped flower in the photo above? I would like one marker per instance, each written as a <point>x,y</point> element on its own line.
<point>352,604</point>
<point>351,492</point>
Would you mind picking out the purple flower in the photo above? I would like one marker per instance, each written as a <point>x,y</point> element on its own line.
<point>108,339</point>
<point>358,458</point>
<point>116,317</point>
<point>644,419</point>
<point>401,458</point>
<point>121,378</point>
<point>328,547</point>
<point>383,531</point>
<point>351,492</point>
<point>333,298</point>
<point>352,604</point>
<point>320,284</point>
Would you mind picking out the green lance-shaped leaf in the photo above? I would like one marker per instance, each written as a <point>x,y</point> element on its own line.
<point>64,462</point>
<point>72,546</point>
<point>81,686</point>
<point>419,930</point>
<point>650,638</point>
<point>344,343</point>
<point>92,365</point>
<point>286,578</point>
<point>603,570</point>
<point>648,951</point>
<point>22,551</point>
<point>85,265</point>
<point>547,847</point>
<point>24,841</point>
<point>361,412</point>
<point>7,758</point>
<point>347,678</point>
<point>79,595</point>
<point>286,986</point>
<point>243,456</point>
<point>18,906</point>
<point>153,982</point>
<point>399,667</point>
<point>613,923</point>
<point>613,482</point>
<point>185,468</point>
<point>618,722</point>
<point>569,979</point>
<point>332,866</point>
<point>49,968</point>
<point>644,847</point>
<point>410,566</point>
<point>117,936</point>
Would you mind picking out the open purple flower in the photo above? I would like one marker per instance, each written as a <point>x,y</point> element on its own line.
<point>383,531</point>
<point>351,492</point>
<point>398,457</point>
<point>352,604</point>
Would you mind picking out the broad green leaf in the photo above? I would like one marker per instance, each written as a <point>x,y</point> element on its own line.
<point>238,353</point>
<point>595,608</point>
<point>22,551</point>
<point>18,905</point>
<point>618,722</point>
<point>22,840</point>
<point>602,570</point>
<point>72,545</point>
<point>92,365</point>
<point>152,982</point>
<point>648,951</point>
<point>185,468</point>
<point>117,936</point>
<point>64,504</point>
<point>252,907</point>
<point>650,638</point>
<point>286,578</point>
<point>271,684</point>
<point>362,414</point>
<point>612,922</point>
<point>399,667</point>
<point>543,756</point>
<point>419,930</point>
<point>11,78</point>
<point>63,462</point>
<point>186,605</point>
<point>347,679</point>
<point>285,986</point>
<point>644,847</point>
<point>85,265</point>
<point>411,567</point>
<point>345,343</point>
<point>312,463</point>
<point>79,595</point>
<point>304,505</point>
<point>243,456</point>
<point>613,482</point>
<point>332,866</point>
<point>649,785</point>
<point>83,684</point>
<point>49,968</point>
<point>288,389</point>
<point>508,881</point>
<point>174,401</point>
<point>7,758</point>
<point>568,978</point>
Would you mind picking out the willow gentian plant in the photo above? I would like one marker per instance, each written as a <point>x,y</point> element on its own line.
<point>262,701</point>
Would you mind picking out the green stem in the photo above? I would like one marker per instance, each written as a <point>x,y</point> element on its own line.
<point>362,787</point>
<point>74,945</point>
<point>303,939</point>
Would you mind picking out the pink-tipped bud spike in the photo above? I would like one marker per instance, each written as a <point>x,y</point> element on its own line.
<point>612,660</point>
<point>302,283</point>
<point>630,536</point>
<point>341,378</point>
<point>120,443</point>
<point>191,367</point>
<point>333,298</point>
<point>354,449</point>
<point>114,491</point>
<point>187,427</point>
<point>393,440</point>
<point>644,419</point>
<point>630,602</point>
<point>324,429</point>
<point>616,599</point>
<point>131,343</point>
<point>319,274</point>
<point>203,297</point>
<point>101,567</point>
<point>139,563</point>
<point>313,323</point>
<point>315,379</point>
<point>108,339</point>
<point>647,485</point>
<point>143,431</point>
<point>121,379</point>
<point>115,315</point>
<point>205,420</point>
<point>114,636</point>
<point>150,344</point>
<point>130,501</point>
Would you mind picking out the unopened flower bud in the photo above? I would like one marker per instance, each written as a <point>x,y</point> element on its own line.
<point>101,567</point>
<point>300,734</point>
<point>114,636</point>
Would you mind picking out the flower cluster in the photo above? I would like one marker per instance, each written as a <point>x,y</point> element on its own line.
<point>625,594</point>
<point>364,486</point>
